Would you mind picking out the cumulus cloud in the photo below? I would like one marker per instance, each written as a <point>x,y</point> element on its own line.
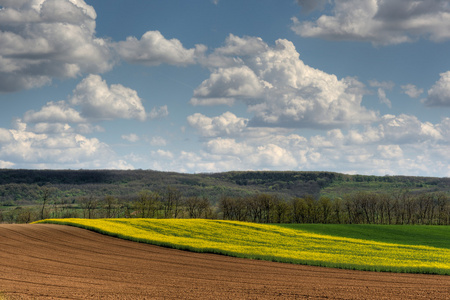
<point>227,124</point>
<point>411,90</point>
<point>228,146</point>
<point>444,129</point>
<point>5,136</point>
<point>380,22</point>
<point>163,154</point>
<point>279,88</point>
<point>390,151</point>
<point>25,147</point>
<point>44,127</point>
<point>54,112</point>
<point>99,101</point>
<point>225,84</point>
<point>45,39</point>
<point>154,49</point>
<point>247,156</point>
<point>395,144</point>
<point>407,129</point>
<point>439,94</point>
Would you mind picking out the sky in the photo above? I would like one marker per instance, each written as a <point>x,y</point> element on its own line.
<point>349,86</point>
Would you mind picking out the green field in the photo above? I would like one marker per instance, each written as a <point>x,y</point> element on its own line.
<point>412,249</point>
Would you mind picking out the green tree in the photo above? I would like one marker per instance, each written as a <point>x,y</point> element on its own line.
<point>299,210</point>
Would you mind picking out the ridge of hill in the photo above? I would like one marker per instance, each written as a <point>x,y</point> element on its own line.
<point>20,186</point>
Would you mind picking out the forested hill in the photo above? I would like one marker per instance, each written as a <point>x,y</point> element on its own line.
<point>25,186</point>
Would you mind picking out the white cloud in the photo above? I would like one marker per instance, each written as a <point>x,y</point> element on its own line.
<point>227,146</point>
<point>132,137</point>
<point>5,136</point>
<point>44,127</point>
<point>381,22</point>
<point>99,101</point>
<point>411,90</point>
<point>390,151</point>
<point>242,47</point>
<point>154,49</point>
<point>6,164</point>
<point>85,128</point>
<point>163,154</point>
<point>383,98</point>
<point>224,85</point>
<point>159,112</point>
<point>439,94</point>
<point>382,87</point>
<point>444,129</point>
<point>394,145</point>
<point>158,141</point>
<point>226,124</point>
<point>407,129</point>
<point>273,156</point>
<point>44,39</point>
<point>54,112</point>
<point>279,88</point>
<point>56,150</point>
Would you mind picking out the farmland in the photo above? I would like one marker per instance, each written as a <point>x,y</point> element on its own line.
<point>421,249</point>
<point>46,261</point>
<point>352,222</point>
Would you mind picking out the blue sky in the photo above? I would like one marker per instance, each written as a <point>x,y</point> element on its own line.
<point>355,86</point>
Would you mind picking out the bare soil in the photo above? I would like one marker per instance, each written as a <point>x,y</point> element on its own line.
<point>43,261</point>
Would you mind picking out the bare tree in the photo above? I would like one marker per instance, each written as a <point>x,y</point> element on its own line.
<point>45,196</point>
<point>197,207</point>
<point>110,204</point>
<point>89,204</point>
<point>171,202</point>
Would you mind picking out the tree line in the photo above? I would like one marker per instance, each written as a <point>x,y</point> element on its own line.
<point>357,208</point>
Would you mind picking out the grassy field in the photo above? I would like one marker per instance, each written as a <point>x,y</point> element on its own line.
<point>424,235</point>
<point>412,249</point>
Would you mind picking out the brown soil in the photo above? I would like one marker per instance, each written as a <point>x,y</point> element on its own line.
<point>44,261</point>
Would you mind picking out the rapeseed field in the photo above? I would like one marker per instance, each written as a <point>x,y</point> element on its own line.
<point>274,243</point>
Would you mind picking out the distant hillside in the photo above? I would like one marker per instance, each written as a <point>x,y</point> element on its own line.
<point>25,186</point>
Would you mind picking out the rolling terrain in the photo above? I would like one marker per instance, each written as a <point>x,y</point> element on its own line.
<point>45,261</point>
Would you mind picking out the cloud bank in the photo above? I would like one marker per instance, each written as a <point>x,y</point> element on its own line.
<point>381,22</point>
<point>41,40</point>
<point>278,88</point>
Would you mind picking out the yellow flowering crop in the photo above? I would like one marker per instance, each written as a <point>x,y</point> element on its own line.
<point>271,242</point>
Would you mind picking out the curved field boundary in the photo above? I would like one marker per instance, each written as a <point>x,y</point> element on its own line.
<point>45,261</point>
<point>273,243</point>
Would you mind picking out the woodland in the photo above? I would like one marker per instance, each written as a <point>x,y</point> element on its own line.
<point>255,196</point>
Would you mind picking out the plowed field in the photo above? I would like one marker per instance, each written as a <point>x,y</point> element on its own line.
<point>43,261</point>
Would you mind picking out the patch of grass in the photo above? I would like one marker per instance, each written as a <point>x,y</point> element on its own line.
<point>424,235</point>
<point>281,243</point>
